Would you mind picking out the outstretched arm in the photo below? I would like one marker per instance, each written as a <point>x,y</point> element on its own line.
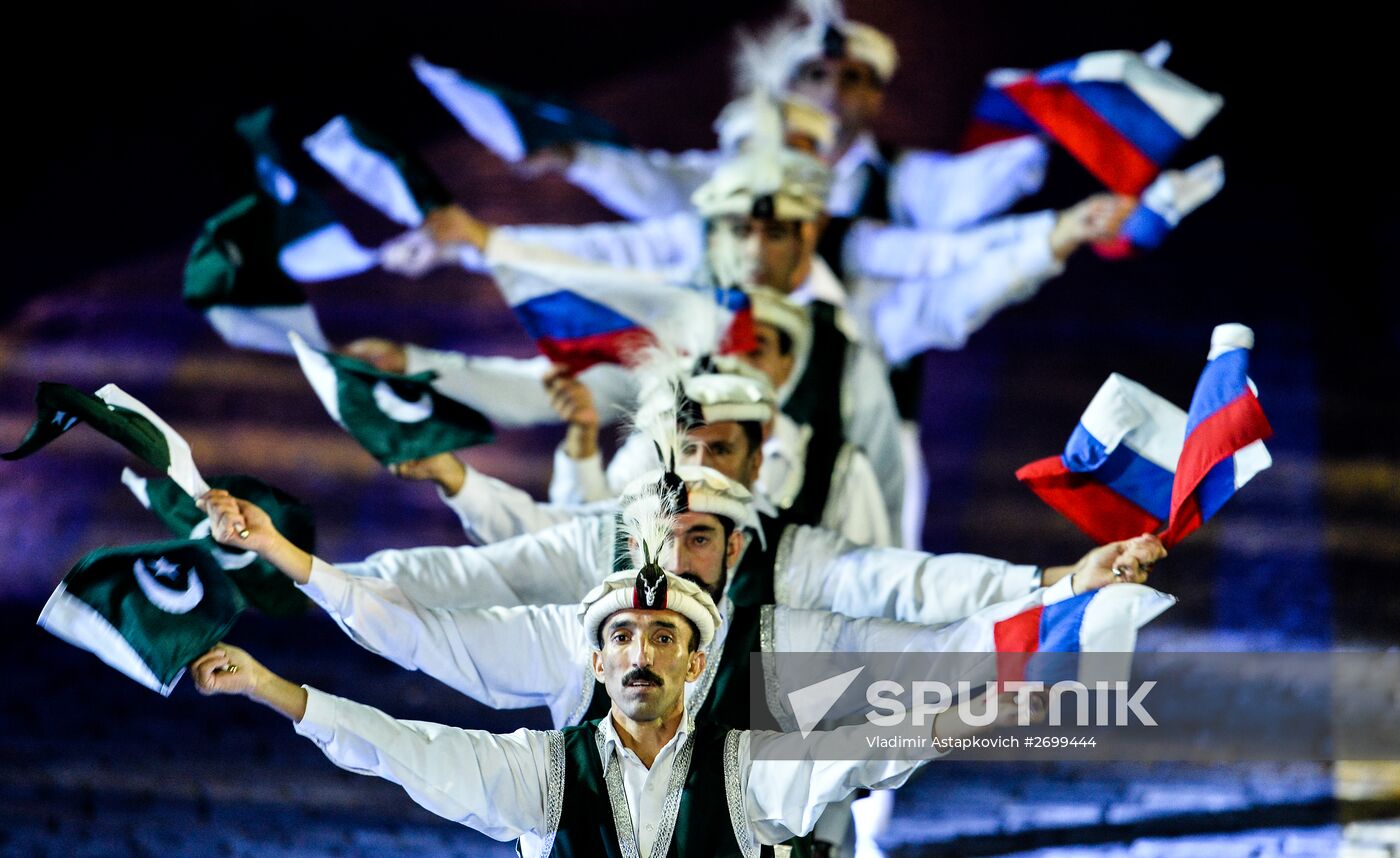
<point>496,784</point>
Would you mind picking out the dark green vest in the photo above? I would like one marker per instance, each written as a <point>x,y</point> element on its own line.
<point>703,826</point>
<point>816,402</point>
<point>906,377</point>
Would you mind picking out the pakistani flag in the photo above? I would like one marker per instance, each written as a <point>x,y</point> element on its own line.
<point>260,582</point>
<point>511,124</point>
<point>311,244</point>
<point>119,416</point>
<point>396,418</point>
<point>233,276</point>
<point>147,610</point>
<point>386,176</point>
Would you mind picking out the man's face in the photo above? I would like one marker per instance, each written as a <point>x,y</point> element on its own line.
<point>848,88</point>
<point>724,447</point>
<point>646,660</point>
<point>698,552</point>
<point>767,355</point>
<point>748,251</point>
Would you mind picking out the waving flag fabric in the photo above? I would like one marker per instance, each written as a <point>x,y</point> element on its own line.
<point>509,123</point>
<point>1136,463</point>
<point>260,582</point>
<point>1225,433</point>
<point>1173,196</point>
<point>146,610</point>
<point>582,314</point>
<point>309,243</point>
<point>396,418</point>
<point>1114,479</point>
<point>1116,112</point>
<point>233,275</point>
<point>1102,621</point>
<point>383,174</point>
<point>119,416</point>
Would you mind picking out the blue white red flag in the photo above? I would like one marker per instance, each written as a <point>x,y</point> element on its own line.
<point>581,314</point>
<point>1137,464</point>
<point>1225,433</point>
<point>1117,112</point>
<point>1114,479</point>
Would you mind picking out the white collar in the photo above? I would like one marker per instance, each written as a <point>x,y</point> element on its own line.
<point>612,743</point>
<point>864,150</point>
<point>821,285</point>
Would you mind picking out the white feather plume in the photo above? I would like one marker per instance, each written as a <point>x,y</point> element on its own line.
<point>649,513</point>
<point>822,13</point>
<point>758,61</point>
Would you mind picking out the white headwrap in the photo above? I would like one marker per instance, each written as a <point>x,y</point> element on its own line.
<point>649,590</point>
<point>764,182</point>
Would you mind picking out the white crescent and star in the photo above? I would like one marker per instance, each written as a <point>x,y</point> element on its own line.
<point>169,600</point>
<point>399,409</point>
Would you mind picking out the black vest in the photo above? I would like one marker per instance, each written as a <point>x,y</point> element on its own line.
<point>906,377</point>
<point>816,402</point>
<point>586,826</point>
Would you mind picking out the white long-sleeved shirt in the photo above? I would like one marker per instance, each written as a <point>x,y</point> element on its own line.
<point>912,288</point>
<point>509,391</point>
<point>536,655</point>
<point>813,569</point>
<point>932,189</point>
<point>507,785</point>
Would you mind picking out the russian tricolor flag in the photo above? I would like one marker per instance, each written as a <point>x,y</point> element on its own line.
<point>1114,479</point>
<point>1174,195</point>
<point>1117,112</point>
<point>581,314</point>
<point>1136,463</point>
<point>1225,433</point>
<point>1100,621</point>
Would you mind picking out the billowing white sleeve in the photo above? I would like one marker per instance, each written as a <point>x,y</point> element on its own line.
<point>558,565</point>
<point>856,507</point>
<point>578,481</point>
<point>888,251</point>
<point>947,191</point>
<point>639,184</point>
<point>913,315</point>
<point>820,570</point>
<point>494,783</point>
<point>674,242</point>
<point>871,421</point>
<point>506,658</point>
<point>492,510</point>
<point>787,788</point>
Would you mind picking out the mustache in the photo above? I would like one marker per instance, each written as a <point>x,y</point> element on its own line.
<point>641,674</point>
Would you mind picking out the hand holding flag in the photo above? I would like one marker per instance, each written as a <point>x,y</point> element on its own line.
<point>1173,196</point>
<point>1119,113</point>
<point>395,417</point>
<point>147,610</point>
<point>266,588</point>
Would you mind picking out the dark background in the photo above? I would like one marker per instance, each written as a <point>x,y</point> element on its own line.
<point>120,144</point>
